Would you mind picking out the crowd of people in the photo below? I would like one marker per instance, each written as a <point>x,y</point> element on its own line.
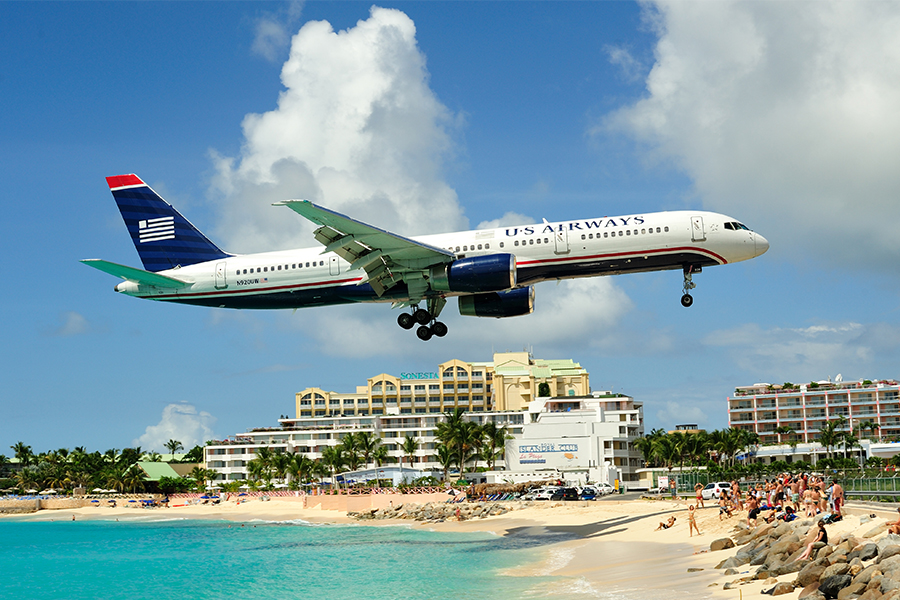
<point>783,498</point>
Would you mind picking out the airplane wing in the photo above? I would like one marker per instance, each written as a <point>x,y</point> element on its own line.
<point>386,257</point>
<point>133,274</point>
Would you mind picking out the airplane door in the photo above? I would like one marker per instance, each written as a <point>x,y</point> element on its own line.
<point>220,276</point>
<point>561,238</point>
<point>333,267</point>
<point>698,234</point>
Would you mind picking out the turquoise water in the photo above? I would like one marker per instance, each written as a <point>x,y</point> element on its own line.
<point>223,560</point>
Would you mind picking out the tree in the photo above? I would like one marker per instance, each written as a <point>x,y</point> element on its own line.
<point>333,458</point>
<point>351,450</point>
<point>494,445</point>
<point>22,453</point>
<point>409,447</point>
<point>543,389</point>
<point>173,446</point>
<point>194,455</point>
<point>446,457</point>
<point>367,442</point>
<point>829,436</point>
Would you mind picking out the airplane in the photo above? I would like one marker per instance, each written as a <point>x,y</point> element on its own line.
<point>491,271</point>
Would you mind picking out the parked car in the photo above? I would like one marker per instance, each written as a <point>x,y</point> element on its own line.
<point>543,493</point>
<point>588,493</point>
<point>565,494</point>
<point>713,490</point>
<point>604,489</point>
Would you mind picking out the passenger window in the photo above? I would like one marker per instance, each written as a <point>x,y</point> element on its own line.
<point>465,248</point>
<point>266,269</point>
<point>546,241</point>
<point>582,236</point>
<point>279,267</point>
<point>657,229</point>
<point>635,232</point>
<point>539,240</point>
<point>605,234</point>
<point>245,271</point>
<point>531,242</point>
<point>488,246</point>
<point>307,264</point>
<point>627,232</point>
<point>517,242</point>
<point>501,244</point>
<point>321,263</point>
<point>479,246</point>
<point>667,229</point>
<point>643,232</point>
<point>457,248</point>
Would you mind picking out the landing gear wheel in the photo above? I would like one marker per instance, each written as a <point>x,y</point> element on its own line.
<point>424,333</point>
<point>439,329</point>
<point>687,300</point>
<point>406,321</point>
<point>422,316</point>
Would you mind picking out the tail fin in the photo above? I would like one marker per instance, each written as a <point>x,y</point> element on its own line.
<point>163,238</point>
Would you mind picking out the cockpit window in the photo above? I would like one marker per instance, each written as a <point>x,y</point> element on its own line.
<point>735,226</point>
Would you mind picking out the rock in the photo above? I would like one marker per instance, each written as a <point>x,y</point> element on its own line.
<point>851,591</point>
<point>811,592</point>
<point>770,581</point>
<point>887,551</point>
<point>866,574</point>
<point>889,564</point>
<point>878,529</point>
<point>760,559</point>
<point>731,571</point>
<point>721,544</point>
<point>730,585</point>
<point>830,586</point>
<point>864,552</point>
<point>782,588</point>
<point>731,563</point>
<point>870,595</point>
<point>694,569</point>
<point>836,569</point>
<point>889,585</point>
<point>793,567</point>
<point>855,569</point>
<point>875,583</point>
<point>810,574</point>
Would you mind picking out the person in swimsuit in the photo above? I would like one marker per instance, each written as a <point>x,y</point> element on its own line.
<point>692,521</point>
<point>821,536</point>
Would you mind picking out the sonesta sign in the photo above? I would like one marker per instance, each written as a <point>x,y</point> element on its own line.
<point>431,375</point>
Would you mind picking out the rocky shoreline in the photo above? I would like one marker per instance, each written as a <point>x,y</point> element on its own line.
<point>439,512</point>
<point>864,566</point>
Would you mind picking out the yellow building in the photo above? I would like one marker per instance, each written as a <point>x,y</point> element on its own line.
<point>509,382</point>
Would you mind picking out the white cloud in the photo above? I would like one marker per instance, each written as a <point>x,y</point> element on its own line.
<point>272,31</point>
<point>182,422</point>
<point>784,115</point>
<point>809,353</point>
<point>632,69</point>
<point>367,331</point>
<point>73,324</point>
<point>509,219</point>
<point>677,413</point>
<point>357,128</point>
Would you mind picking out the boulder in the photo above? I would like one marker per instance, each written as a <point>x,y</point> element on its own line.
<point>731,563</point>
<point>889,585</point>
<point>864,552</point>
<point>837,569</point>
<point>811,592</point>
<point>810,574</point>
<point>721,544</point>
<point>887,551</point>
<point>889,564</point>
<point>854,590</point>
<point>760,558</point>
<point>793,567</point>
<point>782,588</point>
<point>866,574</point>
<point>878,529</point>
<point>830,586</point>
<point>870,595</point>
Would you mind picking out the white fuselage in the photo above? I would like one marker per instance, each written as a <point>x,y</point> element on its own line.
<point>545,251</point>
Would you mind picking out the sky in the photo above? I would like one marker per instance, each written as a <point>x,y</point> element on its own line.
<point>424,117</point>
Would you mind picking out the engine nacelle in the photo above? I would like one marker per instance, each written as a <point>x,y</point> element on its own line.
<point>511,303</point>
<point>491,273</point>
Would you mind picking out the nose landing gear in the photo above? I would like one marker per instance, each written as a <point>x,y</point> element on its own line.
<point>686,298</point>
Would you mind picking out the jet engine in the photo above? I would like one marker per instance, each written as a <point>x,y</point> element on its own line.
<point>511,303</point>
<point>490,273</point>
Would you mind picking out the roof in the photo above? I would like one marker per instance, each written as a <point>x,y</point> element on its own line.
<point>156,470</point>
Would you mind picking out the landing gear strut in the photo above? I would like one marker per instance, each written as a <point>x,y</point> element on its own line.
<point>686,298</point>
<point>429,326</point>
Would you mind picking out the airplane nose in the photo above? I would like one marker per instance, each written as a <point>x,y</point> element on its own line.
<point>761,243</point>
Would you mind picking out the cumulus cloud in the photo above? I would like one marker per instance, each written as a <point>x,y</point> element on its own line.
<point>73,323</point>
<point>811,353</point>
<point>182,422</point>
<point>369,331</point>
<point>357,128</point>
<point>510,219</point>
<point>784,115</point>
<point>632,69</point>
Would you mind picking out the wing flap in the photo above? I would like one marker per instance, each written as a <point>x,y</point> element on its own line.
<point>133,274</point>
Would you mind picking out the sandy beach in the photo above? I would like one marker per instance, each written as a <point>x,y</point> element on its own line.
<point>595,548</point>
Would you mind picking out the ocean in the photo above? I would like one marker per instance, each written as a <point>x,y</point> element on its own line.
<point>222,560</point>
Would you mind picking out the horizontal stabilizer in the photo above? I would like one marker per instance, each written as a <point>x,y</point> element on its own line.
<point>133,274</point>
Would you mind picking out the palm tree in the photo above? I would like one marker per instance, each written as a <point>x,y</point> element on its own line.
<point>201,476</point>
<point>280,461</point>
<point>446,457</point>
<point>135,477</point>
<point>351,449</point>
<point>333,458</point>
<point>829,436</point>
<point>366,443</point>
<point>22,453</point>
<point>409,447</point>
<point>494,442</point>
<point>173,446</point>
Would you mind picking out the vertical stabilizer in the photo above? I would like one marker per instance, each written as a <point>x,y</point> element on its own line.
<point>163,238</point>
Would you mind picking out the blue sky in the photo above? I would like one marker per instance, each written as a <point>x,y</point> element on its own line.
<point>782,115</point>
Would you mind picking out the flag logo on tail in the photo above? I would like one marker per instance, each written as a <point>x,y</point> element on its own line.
<point>154,230</point>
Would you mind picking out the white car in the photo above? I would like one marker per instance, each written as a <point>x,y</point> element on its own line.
<point>603,489</point>
<point>712,491</point>
<point>540,494</point>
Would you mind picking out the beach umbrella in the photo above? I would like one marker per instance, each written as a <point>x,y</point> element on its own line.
<point>31,491</point>
<point>95,501</point>
<point>48,492</point>
<point>242,494</point>
<point>132,500</point>
<point>98,490</point>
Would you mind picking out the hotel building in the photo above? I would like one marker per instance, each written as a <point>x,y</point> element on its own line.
<point>763,408</point>
<point>504,391</point>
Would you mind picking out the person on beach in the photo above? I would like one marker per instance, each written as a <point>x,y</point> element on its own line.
<point>736,494</point>
<point>752,511</point>
<point>692,521</point>
<point>723,505</point>
<point>821,536</point>
<point>699,491</point>
<point>667,524</point>
<point>672,488</point>
<point>837,495</point>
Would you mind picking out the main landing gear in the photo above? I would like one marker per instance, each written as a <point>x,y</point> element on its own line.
<point>426,320</point>
<point>686,298</point>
